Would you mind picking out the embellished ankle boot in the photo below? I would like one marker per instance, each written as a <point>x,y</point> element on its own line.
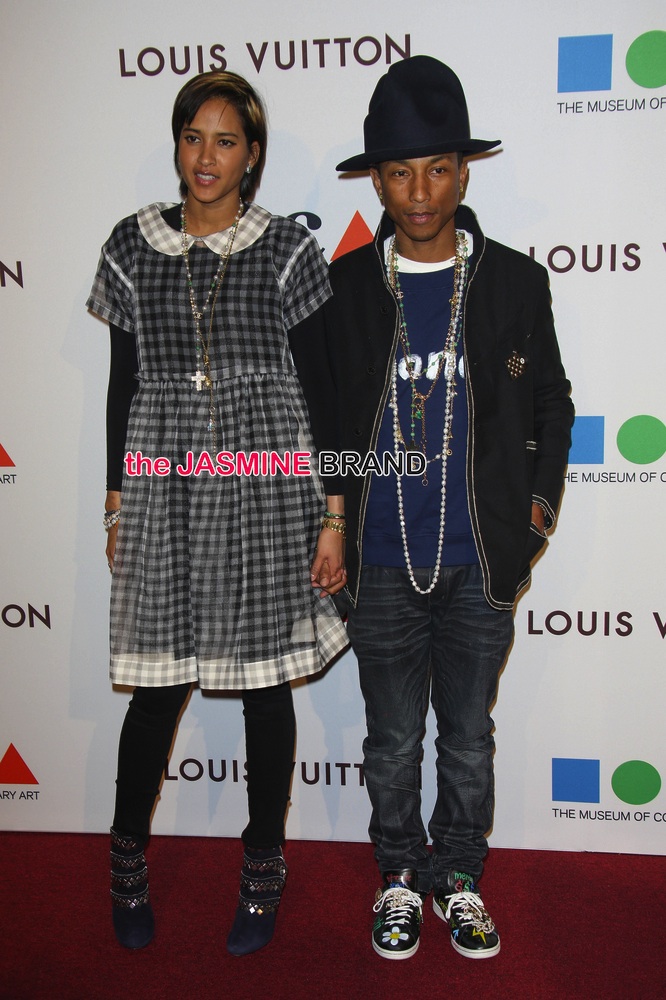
<point>263,877</point>
<point>133,919</point>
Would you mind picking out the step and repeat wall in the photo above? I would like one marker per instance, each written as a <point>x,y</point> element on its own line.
<point>577,93</point>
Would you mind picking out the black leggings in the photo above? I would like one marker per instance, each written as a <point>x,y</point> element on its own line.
<point>147,735</point>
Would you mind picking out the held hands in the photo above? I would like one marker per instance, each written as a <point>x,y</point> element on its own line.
<point>328,571</point>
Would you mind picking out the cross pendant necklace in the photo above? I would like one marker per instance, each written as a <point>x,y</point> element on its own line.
<point>201,379</point>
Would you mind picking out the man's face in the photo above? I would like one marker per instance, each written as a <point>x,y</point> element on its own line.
<point>421,197</point>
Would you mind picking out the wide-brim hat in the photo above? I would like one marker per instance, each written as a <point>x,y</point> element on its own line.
<point>418,109</point>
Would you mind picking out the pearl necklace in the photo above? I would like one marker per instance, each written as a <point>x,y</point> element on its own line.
<point>448,366</point>
<point>202,378</point>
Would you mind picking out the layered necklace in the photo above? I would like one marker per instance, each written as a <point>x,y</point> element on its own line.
<point>447,367</point>
<point>202,376</point>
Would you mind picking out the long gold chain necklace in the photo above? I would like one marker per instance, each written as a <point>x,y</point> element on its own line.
<point>447,364</point>
<point>202,377</point>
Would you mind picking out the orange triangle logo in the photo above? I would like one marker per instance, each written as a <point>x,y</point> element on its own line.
<point>14,770</point>
<point>4,458</point>
<point>356,235</point>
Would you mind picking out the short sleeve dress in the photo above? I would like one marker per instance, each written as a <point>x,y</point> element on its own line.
<point>211,576</point>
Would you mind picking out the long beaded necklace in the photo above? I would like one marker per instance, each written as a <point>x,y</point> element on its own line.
<point>447,364</point>
<point>202,378</point>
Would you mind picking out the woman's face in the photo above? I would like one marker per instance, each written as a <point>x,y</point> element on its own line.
<point>213,154</point>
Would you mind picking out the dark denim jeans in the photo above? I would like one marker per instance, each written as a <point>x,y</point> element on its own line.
<point>448,645</point>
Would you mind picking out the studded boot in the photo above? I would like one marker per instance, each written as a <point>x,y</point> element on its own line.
<point>133,919</point>
<point>263,877</point>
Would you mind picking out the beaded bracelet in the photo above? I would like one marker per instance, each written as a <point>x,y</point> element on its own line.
<point>111,517</point>
<point>335,525</point>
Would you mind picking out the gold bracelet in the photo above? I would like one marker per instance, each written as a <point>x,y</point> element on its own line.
<point>334,525</point>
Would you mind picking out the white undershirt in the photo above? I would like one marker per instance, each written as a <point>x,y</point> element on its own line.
<point>408,266</point>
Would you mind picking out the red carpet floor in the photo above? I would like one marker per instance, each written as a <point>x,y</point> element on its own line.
<point>588,926</point>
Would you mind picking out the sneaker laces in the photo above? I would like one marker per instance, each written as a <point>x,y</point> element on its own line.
<point>399,902</point>
<point>469,910</point>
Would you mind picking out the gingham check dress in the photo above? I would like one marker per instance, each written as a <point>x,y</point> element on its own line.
<point>211,575</point>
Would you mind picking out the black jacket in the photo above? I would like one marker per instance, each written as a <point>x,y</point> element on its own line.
<point>519,428</point>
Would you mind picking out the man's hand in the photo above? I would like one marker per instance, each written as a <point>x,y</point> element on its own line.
<point>538,518</point>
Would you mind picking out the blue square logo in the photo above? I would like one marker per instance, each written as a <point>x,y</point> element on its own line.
<point>575,780</point>
<point>587,441</point>
<point>584,62</point>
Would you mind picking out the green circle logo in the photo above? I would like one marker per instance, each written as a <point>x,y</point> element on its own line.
<point>636,782</point>
<point>642,439</point>
<point>646,59</point>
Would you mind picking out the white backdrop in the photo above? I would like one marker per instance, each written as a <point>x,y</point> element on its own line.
<point>88,88</point>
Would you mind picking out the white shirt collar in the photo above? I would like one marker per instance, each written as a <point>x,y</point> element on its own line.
<point>408,266</point>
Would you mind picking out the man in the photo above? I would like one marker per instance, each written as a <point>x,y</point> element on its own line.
<point>440,346</point>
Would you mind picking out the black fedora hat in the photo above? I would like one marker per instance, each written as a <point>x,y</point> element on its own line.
<point>417,109</point>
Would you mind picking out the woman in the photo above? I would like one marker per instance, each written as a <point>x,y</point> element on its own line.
<point>211,571</point>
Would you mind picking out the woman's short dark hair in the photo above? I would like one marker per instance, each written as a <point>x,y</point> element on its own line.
<point>248,105</point>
